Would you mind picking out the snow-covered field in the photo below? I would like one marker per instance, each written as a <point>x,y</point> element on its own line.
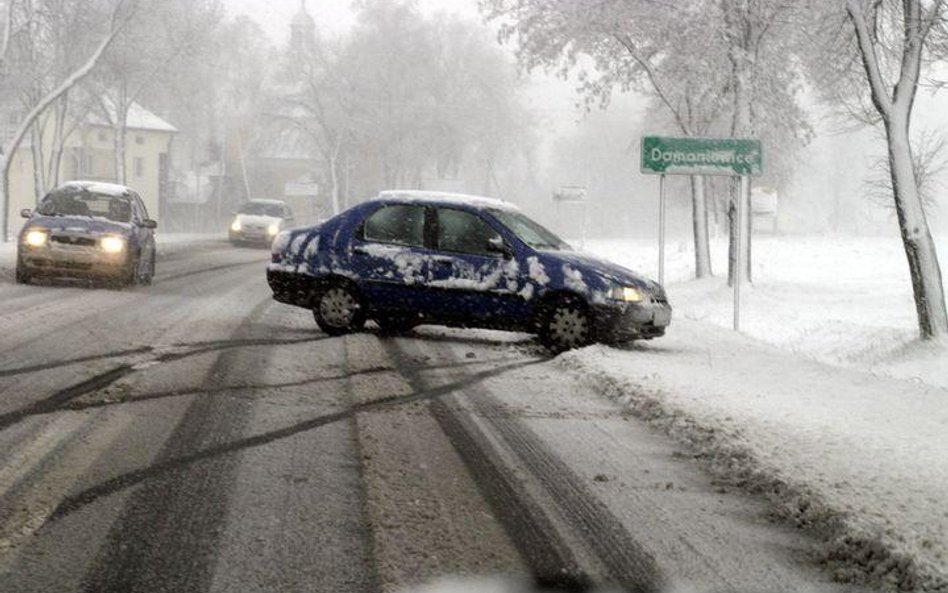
<point>825,401</point>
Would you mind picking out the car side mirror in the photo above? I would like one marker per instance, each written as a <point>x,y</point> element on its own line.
<point>149,224</point>
<point>26,213</point>
<point>497,245</point>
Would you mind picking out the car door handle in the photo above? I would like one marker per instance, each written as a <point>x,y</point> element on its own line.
<point>360,251</point>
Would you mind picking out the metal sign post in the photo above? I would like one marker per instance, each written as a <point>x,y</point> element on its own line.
<point>661,230</point>
<point>574,194</point>
<point>739,264</point>
<point>703,156</point>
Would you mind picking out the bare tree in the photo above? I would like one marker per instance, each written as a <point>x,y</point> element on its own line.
<point>892,38</point>
<point>715,66</point>
<point>121,12</point>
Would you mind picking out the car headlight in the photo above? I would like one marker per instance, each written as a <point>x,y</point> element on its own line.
<point>35,238</point>
<point>235,226</point>
<point>629,294</point>
<point>112,244</point>
<point>273,229</point>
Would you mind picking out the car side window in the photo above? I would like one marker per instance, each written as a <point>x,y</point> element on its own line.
<point>463,232</point>
<point>402,224</point>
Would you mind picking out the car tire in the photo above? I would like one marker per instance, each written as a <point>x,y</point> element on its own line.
<point>145,279</point>
<point>22,276</point>
<point>564,324</point>
<point>338,309</point>
<point>395,325</point>
<point>130,276</point>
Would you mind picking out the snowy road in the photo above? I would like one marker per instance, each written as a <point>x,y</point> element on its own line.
<point>194,435</point>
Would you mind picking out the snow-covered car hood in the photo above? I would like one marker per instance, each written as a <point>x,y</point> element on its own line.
<point>607,270</point>
<point>83,224</point>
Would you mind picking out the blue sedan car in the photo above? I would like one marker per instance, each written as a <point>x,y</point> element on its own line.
<point>88,229</point>
<point>409,257</point>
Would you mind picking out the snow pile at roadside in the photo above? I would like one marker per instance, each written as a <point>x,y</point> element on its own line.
<point>862,459</point>
<point>826,402</point>
<point>842,300</point>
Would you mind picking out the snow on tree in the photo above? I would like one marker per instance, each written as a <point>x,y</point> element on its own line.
<point>20,18</point>
<point>894,40</point>
<point>718,67</point>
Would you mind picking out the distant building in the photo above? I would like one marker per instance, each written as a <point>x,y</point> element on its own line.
<point>302,30</point>
<point>89,153</point>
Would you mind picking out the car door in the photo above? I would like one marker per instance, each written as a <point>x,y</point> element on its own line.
<point>389,258</point>
<point>473,271</point>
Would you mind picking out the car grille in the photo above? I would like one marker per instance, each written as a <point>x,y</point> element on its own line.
<point>72,240</point>
<point>66,265</point>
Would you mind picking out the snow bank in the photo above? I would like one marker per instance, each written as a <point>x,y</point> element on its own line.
<point>826,403</point>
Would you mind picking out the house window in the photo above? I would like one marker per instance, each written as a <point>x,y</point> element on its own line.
<point>139,166</point>
<point>139,139</point>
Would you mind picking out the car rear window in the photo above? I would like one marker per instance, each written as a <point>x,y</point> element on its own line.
<point>403,224</point>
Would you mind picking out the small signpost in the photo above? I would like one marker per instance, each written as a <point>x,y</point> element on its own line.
<point>703,156</point>
<point>575,194</point>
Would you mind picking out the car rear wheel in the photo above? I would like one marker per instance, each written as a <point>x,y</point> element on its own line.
<point>565,324</point>
<point>338,309</point>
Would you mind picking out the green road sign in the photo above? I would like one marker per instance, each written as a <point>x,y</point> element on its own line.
<point>701,156</point>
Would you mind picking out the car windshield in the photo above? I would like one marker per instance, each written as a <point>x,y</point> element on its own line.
<point>262,209</point>
<point>529,231</point>
<point>86,203</point>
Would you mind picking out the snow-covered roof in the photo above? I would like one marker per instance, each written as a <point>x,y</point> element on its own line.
<point>138,118</point>
<point>414,195</point>
<point>98,187</point>
<point>263,201</point>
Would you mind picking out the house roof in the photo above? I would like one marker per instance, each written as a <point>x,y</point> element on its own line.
<point>138,118</point>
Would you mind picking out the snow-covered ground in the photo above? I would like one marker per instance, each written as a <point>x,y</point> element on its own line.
<point>825,401</point>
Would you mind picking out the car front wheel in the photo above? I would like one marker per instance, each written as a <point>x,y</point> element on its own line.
<point>338,309</point>
<point>565,324</point>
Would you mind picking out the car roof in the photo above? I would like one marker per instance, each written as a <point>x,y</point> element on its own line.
<point>445,198</point>
<point>98,187</point>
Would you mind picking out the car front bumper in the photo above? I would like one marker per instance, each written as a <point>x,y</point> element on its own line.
<point>250,235</point>
<point>57,261</point>
<point>626,321</point>
<point>291,288</point>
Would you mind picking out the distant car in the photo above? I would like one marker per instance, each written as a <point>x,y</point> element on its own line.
<point>407,258</point>
<point>259,221</point>
<point>88,229</point>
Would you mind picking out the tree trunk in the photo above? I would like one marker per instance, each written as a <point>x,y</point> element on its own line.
<point>59,140</point>
<point>741,56</point>
<point>39,162</point>
<point>700,224</point>
<point>896,112</point>
<point>920,250</point>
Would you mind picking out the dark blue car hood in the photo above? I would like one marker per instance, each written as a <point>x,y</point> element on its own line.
<point>587,263</point>
<point>87,224</point>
